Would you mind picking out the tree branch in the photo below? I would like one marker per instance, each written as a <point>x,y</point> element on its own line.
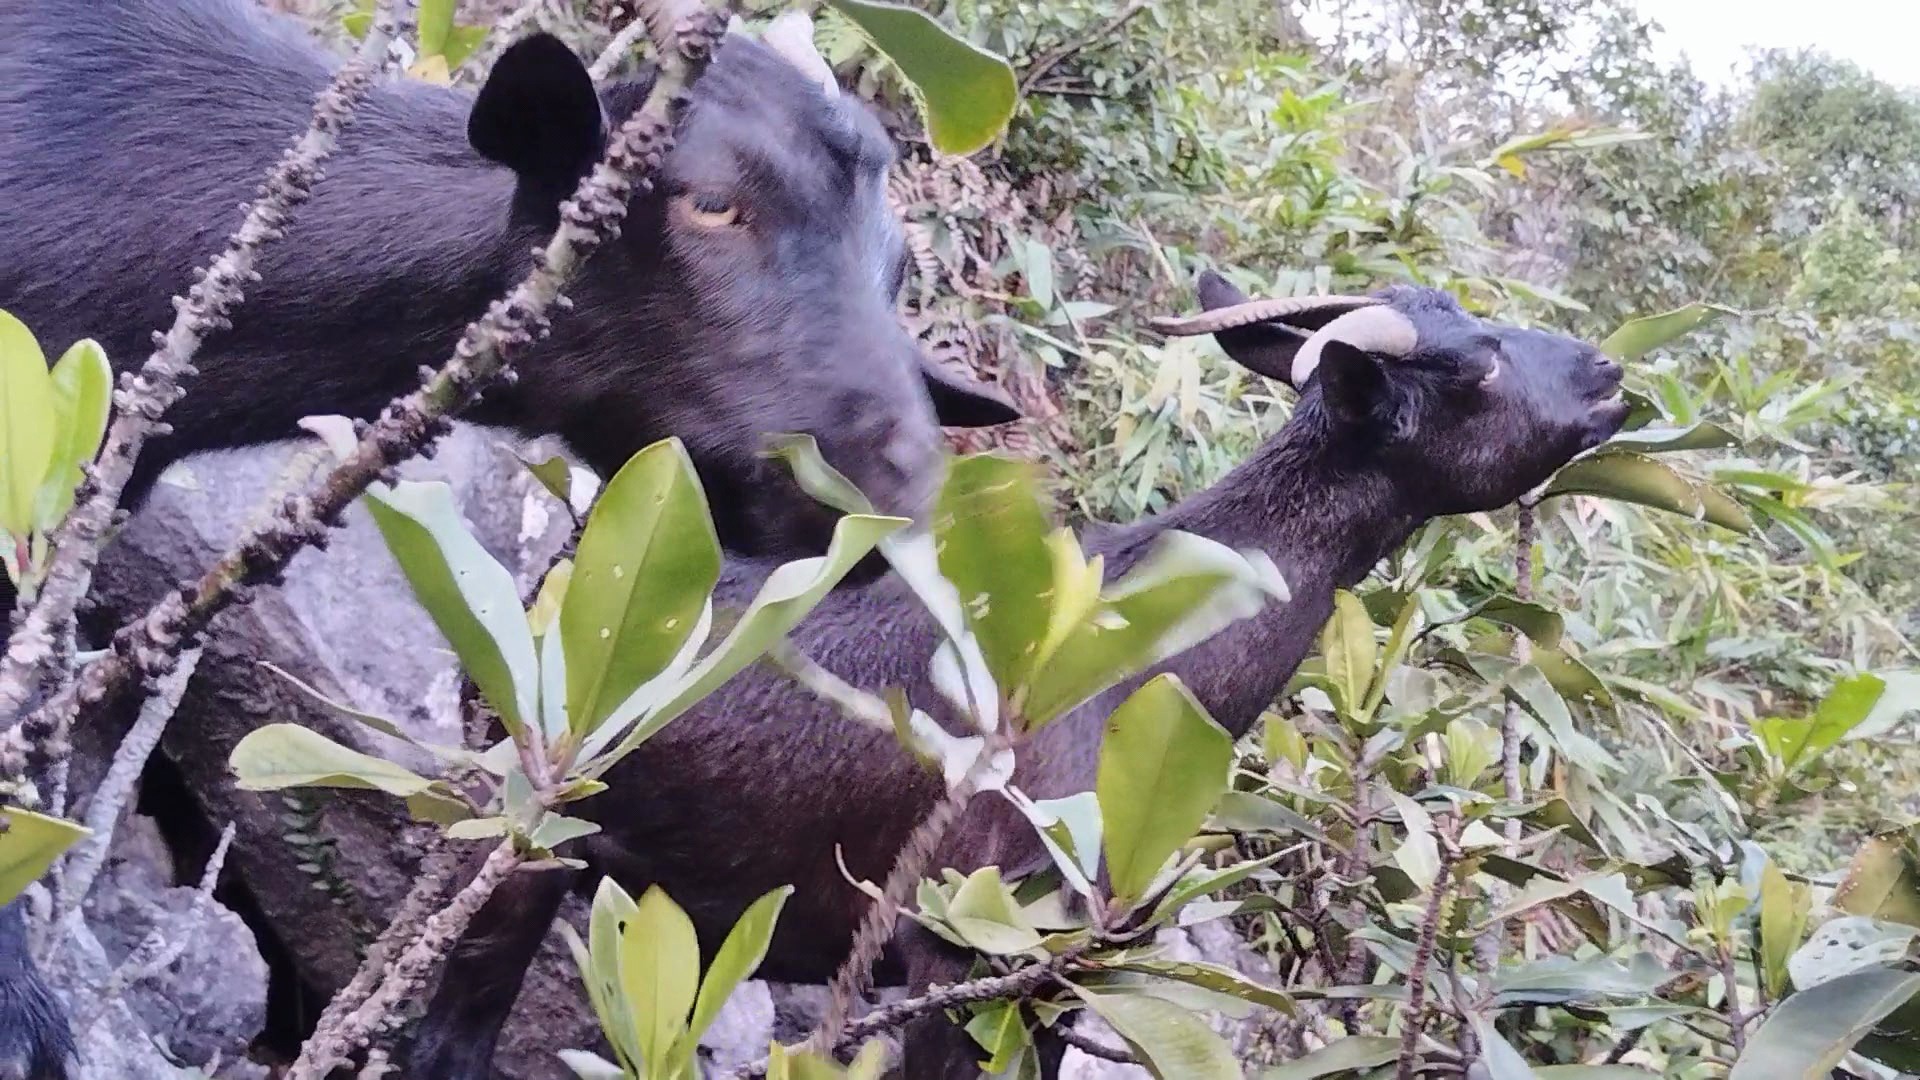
<point>1046,62</point>
<point>144,397</point>
<point>148,647</point>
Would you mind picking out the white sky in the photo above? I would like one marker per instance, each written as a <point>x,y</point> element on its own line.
<point>1882,36</point>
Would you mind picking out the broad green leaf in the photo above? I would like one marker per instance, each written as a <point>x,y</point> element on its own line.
<point>1351,1054</point>
<point>1784,908</point>
<point>1883,880</point>
<point>280,756</point>
<point>27,425</point>
<point>1172,1042</point>
<point>1899,700</point>
<point>659,976</point>
<point>598,961</point>
<point>1502,1061</point>
<point>470,597</point>
<point>1070,830</point>
<point>1636,478</point>
<point>966,94</point>
<point>739,957</point>
<point>1163,765</point>
<point>1220,980</point>
<point>377,723</point>
<point>435,20</point>
<point>1798,741</point>
<point>1848,944</point>
<point>788,594</point>
<point>1347,645</point>
<point>1472,748</point>
<point>984,912</point>
<point>1185,590</point>
<point>1704,435</point>
<point>556,829</point>
<point>1002,1033</point>
<point>1542,625</point>
<point>1592,1072</point>
<point>992,534</point>
<point>1638,337</point>
<point>1419,856</point>
<point>461,41</point>
<point>1201,882</point>
<point>555,475</point>
<point>646,563</point>
<point>486,828</point>
<point>1807,1035</point>
<point>546,603</point>
<point>83,398</point>
<point>29,843</point>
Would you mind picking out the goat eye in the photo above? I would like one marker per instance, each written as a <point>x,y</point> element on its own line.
<point>712,211</point>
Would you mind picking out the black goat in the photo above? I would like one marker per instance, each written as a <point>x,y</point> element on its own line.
<point>752,291</point>
<point>1409,408</point>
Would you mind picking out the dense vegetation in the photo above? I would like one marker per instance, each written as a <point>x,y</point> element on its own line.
<point>1621,781</point>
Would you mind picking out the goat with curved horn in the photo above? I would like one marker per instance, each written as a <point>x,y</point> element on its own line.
<point>1285,337</point>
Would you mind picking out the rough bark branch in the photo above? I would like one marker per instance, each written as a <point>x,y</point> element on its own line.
<point>144,397</point>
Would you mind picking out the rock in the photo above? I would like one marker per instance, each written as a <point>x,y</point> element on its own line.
<point>325,868</point>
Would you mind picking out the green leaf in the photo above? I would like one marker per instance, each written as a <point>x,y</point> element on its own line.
<point>1002,1032</point>
<point>1542,625</point>
<point>83,398</point>
<point>280,756</point>
<point>1848,944</point>
<point>659,975</point>
<point>1899,700</point>
<point>1636,478</point>
<point>377,723</point>
<point>29,843</point>
<point>461,41</point>
<point>27,425</point>
<point>1638,337</point>
<point>1163,765</point>
<point>1798,741</point>
<point>984,912</point>
<point>556,829</point>
<point>1591,1072</point>
<point>1185,590</point>
<point>1502,1061</point>
<point>992,536</point>
<point>739,957</point>
<point>553,593</point>
<point>1784,907</point>
<point>555,475</point>
<point>788,594</point>
<point>1220,980</point>
<point>1351,1054</point>
<point>1883,880</point>
<point>1807,1035</point>
<point>435,19</point>
<point>1347,645</point>
<point>965,93</point>
<point>1172,1042</point>
<point>470,597</point>
<point>1070,830</point>
<point>645,566</point>
<point>1666,440</point>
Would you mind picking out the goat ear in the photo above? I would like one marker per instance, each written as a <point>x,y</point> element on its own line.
<point>539,115</point>
<point>1265,348</point>
<point>963,403</point>
<point>1353,385</point>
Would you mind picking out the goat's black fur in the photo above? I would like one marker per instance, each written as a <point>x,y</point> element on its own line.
<point>758,786</point>
<point>131,130</point>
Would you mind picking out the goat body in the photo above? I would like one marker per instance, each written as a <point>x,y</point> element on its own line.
<point>763,783</point>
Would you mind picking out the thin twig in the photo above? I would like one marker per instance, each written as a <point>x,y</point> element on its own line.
<point>147,647</point>
<point>1423,960</point>
<point>144,397</point>
<point>129,761</point>
<point>617,50</point>
<point>1046,62</point>
<point>1491,945</point>
<point>876,927</point>
<point>1092,1047</point>
<point>335,1044</point>
<point>162,945</point>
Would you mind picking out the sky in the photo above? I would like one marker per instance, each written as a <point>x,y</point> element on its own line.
<point>1882,36</point>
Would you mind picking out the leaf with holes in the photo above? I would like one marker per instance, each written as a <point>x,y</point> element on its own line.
<point>965,94</point>
<point>645,566</point>
<point>1636,478</point>
<point>1163,765</point>
<point>992,535</point>
<point>1808,1034</point>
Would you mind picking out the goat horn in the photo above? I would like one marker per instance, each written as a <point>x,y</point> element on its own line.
<point>1370,329</point>
<point>1235,316</point>
<point>791,36</point>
